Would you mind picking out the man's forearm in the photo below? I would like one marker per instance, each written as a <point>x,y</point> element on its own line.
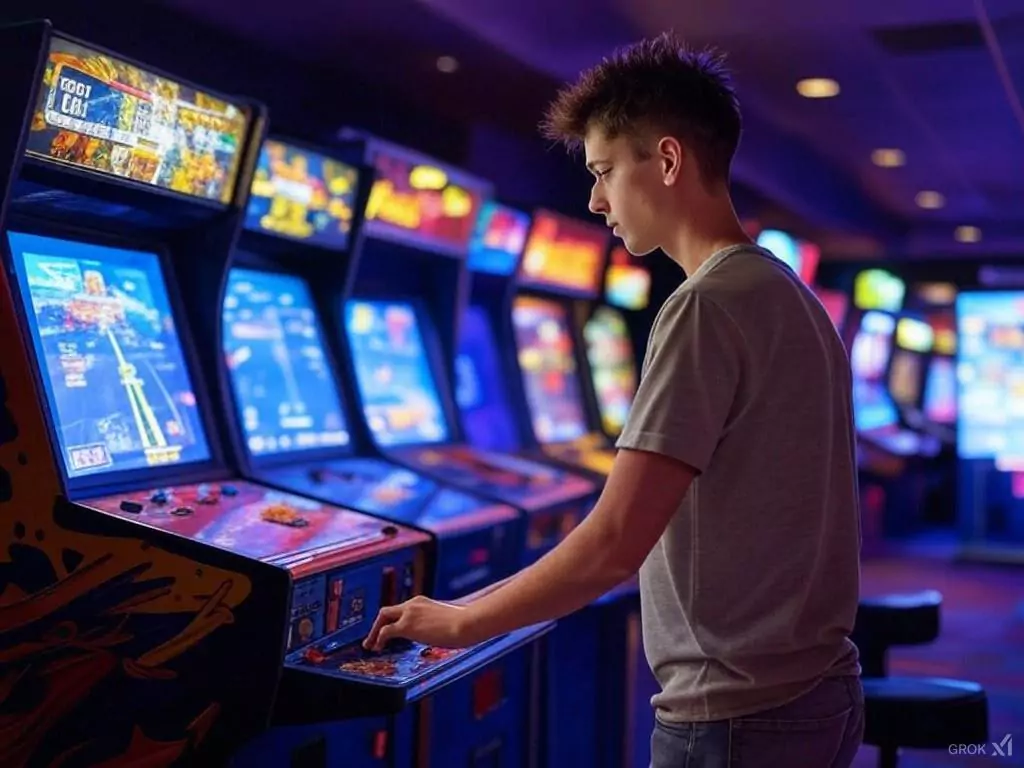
<point>483,591</point>
<point>574,574</point>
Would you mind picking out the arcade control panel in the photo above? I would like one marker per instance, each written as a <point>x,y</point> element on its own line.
<point>479,541</point>
<point>590,452</point>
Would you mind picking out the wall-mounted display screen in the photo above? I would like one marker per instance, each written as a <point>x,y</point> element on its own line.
<point>99,113</point>
<point>498,239</point>
<point>564,255</point>
<point>287,397</point>
<point>302,195</point>
<point>113,367</point>
<point>551,378</point>
<point>400,396</point>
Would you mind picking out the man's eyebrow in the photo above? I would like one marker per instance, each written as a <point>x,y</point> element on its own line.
<point>594,163</point>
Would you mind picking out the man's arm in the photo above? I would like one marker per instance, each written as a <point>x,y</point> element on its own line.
<point>640,497</point>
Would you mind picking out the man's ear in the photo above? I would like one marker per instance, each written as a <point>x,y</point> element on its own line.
<point>670,157</point>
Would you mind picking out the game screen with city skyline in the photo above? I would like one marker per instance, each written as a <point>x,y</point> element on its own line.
<point>113,367</point>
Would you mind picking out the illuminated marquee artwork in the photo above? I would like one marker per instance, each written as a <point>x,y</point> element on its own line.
<point>420,202</point>
<point>98,113</point>
<point>563,253</point>
<point>302,195</point>
<point>627,283</point>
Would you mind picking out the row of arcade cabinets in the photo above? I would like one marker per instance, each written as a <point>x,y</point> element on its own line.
<point>902,357</point>
<point>162,601</point>
<point>232,433</point>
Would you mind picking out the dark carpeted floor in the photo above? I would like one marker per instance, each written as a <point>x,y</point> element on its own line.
<point>982,639</point>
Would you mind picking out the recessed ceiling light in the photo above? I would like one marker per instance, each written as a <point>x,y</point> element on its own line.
<point>930,200</point>
<point>447,64</point>
<point>888,158</point>
<point>967,234</point>
<point>817,88</point>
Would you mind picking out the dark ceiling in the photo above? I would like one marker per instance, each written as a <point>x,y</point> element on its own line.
<point>937,79</point>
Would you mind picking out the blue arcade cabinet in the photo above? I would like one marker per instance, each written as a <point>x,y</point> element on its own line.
<point>990,426</point>
<point>597,706</point>
<point>294,430</point>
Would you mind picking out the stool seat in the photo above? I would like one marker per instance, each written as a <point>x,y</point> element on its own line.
<point>891,620</point>
<point>924,713</point>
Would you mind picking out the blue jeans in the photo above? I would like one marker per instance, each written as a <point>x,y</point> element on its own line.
<point>821,729</point>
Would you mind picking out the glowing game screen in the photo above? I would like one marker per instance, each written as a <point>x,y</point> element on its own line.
<point>627,282</point>
<point>400,396</point>
<point>480,386</point>
<point>905,374</point>
<point>102,114</point>
<point>286,394</point>
<point>782,246</point>
<point>564,254</point>
<point>498,239</point>
<point>990,375</point>
<point>810,258</point>
<point>940,391</point>
<point>548,364</point>
<point>877,289</point>
<point>418,202</point>
<point>302,195</point>
<point>944,331</point>
<point>612,367</point>
<point>869,358</point>
<point>113,367</point>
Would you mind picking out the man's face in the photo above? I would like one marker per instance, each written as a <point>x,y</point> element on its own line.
<point>628,190</point>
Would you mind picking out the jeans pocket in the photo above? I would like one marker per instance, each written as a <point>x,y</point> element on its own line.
<point>791,743</point>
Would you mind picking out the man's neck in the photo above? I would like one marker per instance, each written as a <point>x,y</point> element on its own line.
<point>705,229</point>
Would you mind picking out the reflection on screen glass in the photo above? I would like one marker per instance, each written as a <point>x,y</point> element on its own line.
<point>108,116</point>
<point>113,367</point>
<point>548,364</point>
<point>990,375</point>
<point>287,397</point>
<point>400,396</point>
<point>480,388</point>
<point>612,366</point>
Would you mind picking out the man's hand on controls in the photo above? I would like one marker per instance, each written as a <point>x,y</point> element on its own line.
<point>421,620</point>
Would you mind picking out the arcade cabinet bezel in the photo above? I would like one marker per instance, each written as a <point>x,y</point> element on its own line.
<point>116,481</point>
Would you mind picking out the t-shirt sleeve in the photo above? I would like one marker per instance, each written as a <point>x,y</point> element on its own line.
<point>689,384</point>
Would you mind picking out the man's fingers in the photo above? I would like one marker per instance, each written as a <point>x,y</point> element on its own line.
<point>385,617</point>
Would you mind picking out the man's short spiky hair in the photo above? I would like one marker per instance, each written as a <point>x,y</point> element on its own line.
<point>661,85</point>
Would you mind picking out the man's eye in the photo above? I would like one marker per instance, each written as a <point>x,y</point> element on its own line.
<point>602,174</point>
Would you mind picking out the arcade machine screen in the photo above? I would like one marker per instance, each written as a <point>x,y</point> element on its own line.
<point>782,246</point>
<point>990,372</point>
<point>612,366</point>
<point>399,394</point>
<point>869,357</point>
<point>550,374</point>
<point>940,391</point>
<point>810,258</point>
<point>480,386</point>
<point>302,195</point>
<point>498,239</point>
<point>627,283</point>
<point>114,370</point>
<point>98,113</point>
<point>878,289</point>
<point>273,344</point>
<point>906,374</point>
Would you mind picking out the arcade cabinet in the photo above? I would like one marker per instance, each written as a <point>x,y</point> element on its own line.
<point>598,681</point>
<point>294,432</point>
<point>939,402</point>
<point>990,424</point>
<point>559,275</point>
<point>608,338</point>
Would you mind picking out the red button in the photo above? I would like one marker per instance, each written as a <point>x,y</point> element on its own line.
<point>380,745</point>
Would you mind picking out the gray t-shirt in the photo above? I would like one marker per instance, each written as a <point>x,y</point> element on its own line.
<point>749,596</point>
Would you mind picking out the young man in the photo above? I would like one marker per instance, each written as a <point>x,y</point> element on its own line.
<point>734,490</point>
